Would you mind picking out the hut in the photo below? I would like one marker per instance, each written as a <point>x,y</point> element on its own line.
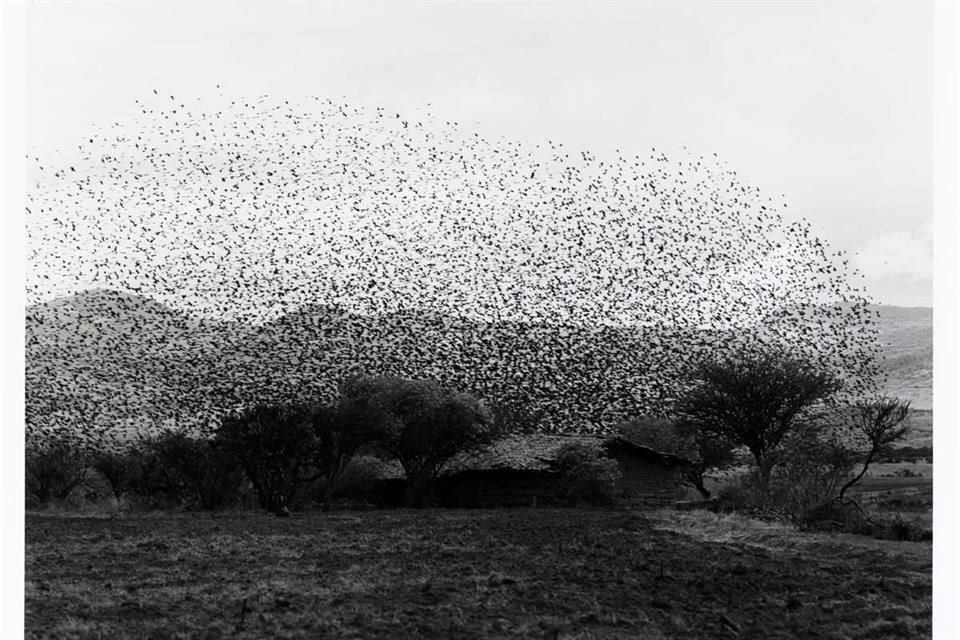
<point>519,470</point>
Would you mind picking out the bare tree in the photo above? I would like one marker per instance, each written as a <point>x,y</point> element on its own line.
<point>882,421</point>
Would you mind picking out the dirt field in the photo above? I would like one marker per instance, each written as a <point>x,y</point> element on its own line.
<point>466,574</point>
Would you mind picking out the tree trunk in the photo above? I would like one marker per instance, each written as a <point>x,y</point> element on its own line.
<point>758,456</point>
<point>412,493</point>
<point>695,477</point>
<point>859,476</point>
<point>328,495</point>
<point>704,492</point>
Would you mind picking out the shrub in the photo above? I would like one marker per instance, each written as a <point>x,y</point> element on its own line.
<point>748,495</point>
<point>54,469</point>
<point>120,469</point>
<point>176,468</point>
<point>806,474</point>
<point>358,478</point>
<point>846,516</point>
<point>843,516</point>
<point>275,446</point>
<point>587,475</point>
<point>906,530</point>
<point>907,473</point>
<point>422,426</point>
<point>355,486</point>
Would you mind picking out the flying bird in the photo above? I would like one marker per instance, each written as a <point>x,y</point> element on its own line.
<point>263,250</point>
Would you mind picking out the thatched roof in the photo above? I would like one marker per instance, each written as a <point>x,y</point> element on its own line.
<point>534,452</point>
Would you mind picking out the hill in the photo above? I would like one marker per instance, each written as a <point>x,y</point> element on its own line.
<point>103,358</point>
<point>906,337</point>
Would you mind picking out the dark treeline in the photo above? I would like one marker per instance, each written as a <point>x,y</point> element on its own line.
<point>772,416</point>
<point>280,456</point>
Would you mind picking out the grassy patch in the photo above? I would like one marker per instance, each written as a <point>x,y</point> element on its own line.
<point>465,574</point>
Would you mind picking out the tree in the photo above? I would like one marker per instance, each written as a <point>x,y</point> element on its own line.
<point>341,431</point>
<point>704,449</point>
<point>54,469</point>
<point>119,469</point>
<point>187,469</point>
<point>422,426</point>
<point>276,447</point>
<point>755,399</point>
<point>882,421</point>
<point>709,451</point>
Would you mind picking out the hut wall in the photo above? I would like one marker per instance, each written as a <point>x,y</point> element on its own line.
<point>648,481</point>
<point>499,488</point>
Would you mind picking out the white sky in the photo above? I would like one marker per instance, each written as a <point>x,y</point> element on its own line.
<point>829,104</point>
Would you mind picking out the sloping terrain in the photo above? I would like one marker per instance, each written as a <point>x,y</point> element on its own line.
<point>906,336</point>
<point>106,358</point>
<point>111,358</point>
<point>467,574</point>
<point>120,357</point>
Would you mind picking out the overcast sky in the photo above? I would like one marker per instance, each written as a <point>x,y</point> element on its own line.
<point>828,104</point>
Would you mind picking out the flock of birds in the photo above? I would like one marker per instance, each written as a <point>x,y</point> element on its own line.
<point>200,258</point>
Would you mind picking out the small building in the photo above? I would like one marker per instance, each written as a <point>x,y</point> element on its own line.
<point>519,470</point>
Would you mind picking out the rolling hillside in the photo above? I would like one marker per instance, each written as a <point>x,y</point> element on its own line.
<point>906,334</point>
<point>106,357</point>
<point>111,357</point>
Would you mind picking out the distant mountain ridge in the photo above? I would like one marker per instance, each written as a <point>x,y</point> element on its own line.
<point>906,338</point>
<point>116,355</point>
<point>909,314</point>
<point>120,355</point>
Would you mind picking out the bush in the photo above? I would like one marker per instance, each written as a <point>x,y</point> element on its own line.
<point>276,447</point>
<point>907,473</point>
<point>846,516</point>
<point>177,469</point>
<point>906,530</point>
<point>839,516</point>
<point>587,475</point>
<point>54,469</point>
<point>422,426</point>
<point>748,495</point>
<point>354,487</point>
<point>358,478</point>
<point>120,470</point>
<point>807,474</point>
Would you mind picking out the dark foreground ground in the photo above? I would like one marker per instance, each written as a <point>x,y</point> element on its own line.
<point>466,574</point>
